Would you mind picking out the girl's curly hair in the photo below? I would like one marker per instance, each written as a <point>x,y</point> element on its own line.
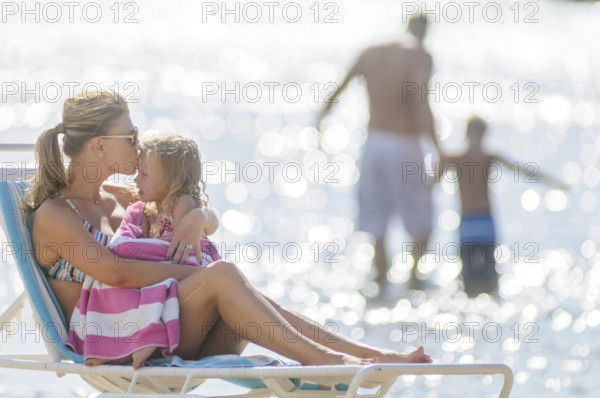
<point>177,159</point>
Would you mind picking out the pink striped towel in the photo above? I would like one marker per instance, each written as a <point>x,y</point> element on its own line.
<point>128,243</point>
<point>112,323</point>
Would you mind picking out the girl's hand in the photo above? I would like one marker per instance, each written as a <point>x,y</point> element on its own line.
<point>189,230</point>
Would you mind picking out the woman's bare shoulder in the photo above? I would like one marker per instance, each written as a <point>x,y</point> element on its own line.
<point>52,217</point>
<point>52,208</point>
<point>49,221</point>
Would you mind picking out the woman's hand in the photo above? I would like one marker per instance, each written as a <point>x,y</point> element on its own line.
<point>189,229</point>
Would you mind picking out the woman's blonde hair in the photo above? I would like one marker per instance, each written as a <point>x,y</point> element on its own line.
<point>85,116</point>
<point>177,159</point>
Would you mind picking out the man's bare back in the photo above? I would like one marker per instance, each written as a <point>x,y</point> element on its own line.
<point>393,72</point>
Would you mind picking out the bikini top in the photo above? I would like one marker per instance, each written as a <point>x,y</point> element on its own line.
<point>64,270</point>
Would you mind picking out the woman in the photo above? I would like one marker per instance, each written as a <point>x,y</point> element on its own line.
<point>74,211</point>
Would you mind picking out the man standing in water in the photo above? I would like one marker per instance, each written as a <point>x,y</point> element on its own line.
<point>392,178</point>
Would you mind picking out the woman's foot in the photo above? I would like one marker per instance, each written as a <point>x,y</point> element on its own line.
<point>337,358</point>
<point>331,357</point>
<point>417,356</point>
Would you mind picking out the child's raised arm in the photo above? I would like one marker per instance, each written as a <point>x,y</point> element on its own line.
<point>534,174</point>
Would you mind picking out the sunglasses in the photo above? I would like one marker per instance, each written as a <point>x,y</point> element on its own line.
<point>132,137</point>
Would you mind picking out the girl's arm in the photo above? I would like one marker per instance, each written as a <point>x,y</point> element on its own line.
<point>72,242</point>
<point>190,225</point>
<point>124,192</point>
<point>145,225</point>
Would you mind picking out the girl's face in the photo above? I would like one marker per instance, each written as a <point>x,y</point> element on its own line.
<point>148,180</point>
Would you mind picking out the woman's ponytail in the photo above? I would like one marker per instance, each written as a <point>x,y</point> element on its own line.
<point>51,175</point>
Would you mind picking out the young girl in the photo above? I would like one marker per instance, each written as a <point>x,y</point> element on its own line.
<point>168,182</point>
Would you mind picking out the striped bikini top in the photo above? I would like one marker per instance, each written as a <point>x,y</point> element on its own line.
<point>64,270</point>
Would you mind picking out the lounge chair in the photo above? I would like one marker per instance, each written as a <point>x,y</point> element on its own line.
<point>173,377</point>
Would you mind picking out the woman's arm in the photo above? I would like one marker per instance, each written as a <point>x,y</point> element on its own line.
<point>212,222</point>
<point>76,245</point>
<point>191,224</point>
<point>183,205</point>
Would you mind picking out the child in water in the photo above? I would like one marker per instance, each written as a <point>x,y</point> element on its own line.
<point>477,232</point>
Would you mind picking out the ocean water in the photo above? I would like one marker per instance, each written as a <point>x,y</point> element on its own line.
<point>247,80</point>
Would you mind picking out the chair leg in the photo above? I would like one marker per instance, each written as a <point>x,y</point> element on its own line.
<point>274,385</point>
<point>15,309</point>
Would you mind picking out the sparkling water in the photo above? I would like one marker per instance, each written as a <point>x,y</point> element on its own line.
<point>247,81</point>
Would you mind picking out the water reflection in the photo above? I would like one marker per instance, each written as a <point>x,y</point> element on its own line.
<point>558,294</point>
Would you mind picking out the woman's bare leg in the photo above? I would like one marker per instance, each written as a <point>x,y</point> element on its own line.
<point>221,291</point>
<point>338,342</point>
<point>204,332</point>
<point>222,340</point>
